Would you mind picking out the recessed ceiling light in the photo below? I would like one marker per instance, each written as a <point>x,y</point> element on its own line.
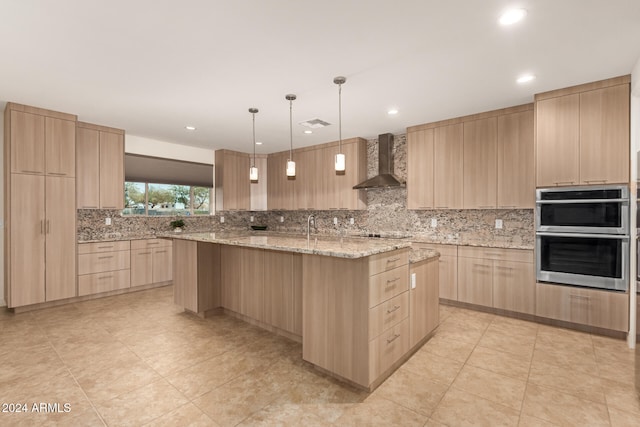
<point>258,143</point>
<point>308,131</point>
<point>392,112</point>
<point>525,78</point>
<point>190,127</point>
<point>512,16</point>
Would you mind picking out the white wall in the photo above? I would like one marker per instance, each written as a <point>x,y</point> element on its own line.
<point>152,147</point>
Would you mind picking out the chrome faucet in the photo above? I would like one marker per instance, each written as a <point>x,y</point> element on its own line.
<point>310,220</point>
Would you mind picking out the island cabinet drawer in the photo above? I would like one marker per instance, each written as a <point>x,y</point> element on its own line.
<point>388,348</point>
<point>517,255</point>
<point>388,314</point>
<point>150,243</point>
<point>388,261</point>
<point>88,248</point>
<point>105,261</point>
<point>103,282</point>
<point>388,284</point>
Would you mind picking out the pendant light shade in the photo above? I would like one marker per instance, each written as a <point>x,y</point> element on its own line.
<point>341,160</point>
<point>291,165</point>
<point>253,170</point>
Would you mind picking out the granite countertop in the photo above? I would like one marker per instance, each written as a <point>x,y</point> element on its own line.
<point>347,247</point>
<point>418,255</point>
<point>514,243</point>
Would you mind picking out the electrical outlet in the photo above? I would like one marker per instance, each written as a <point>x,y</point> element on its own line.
<point>413,280</point>
<point>107,221</point>
<point>221,220</point>
<point>281,219</point>
<point>251,218</point>
<point>434,222</point>
<point>335,220</point>
<point>352,221</point>
<point>499,223</point>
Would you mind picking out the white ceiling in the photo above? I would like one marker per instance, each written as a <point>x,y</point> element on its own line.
<point>151,67</point>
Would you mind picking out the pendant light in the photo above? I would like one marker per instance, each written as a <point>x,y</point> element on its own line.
<point>291,165</point>
<point>253,170</point>
<point>341,161</point>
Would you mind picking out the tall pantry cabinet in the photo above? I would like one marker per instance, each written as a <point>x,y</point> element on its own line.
<point>40,211</point>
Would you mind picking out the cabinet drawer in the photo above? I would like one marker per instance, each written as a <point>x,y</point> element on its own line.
<point>519,255</point>
<point>388,284</point>
<point>444,250</point>
<point>88,248</point>
<point>602,309</point>
<point>104,261</point>
<point>102,282</point>
<point>388,260</point>
<point>388,314</point>
<point>388,348</point>
<point>150,243</point>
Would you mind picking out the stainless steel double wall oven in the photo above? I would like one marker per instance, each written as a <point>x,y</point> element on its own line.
<point>582,236</point>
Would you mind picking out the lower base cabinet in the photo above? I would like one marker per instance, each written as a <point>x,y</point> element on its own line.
<point>447,266</point>
<point>590,307</point>
<point>424,311</point>
<point>151,261</point>
<point>103,267</point>
<point>196,275</point>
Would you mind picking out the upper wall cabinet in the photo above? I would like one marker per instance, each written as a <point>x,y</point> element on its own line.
<point>582,134</point>
<point>483,161</point>
<point>42,141</point>
<point>317,185</point>
<point>100,167</point>
<point>233,191</point>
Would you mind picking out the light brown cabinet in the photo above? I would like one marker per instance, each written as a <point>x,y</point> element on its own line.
<point>100,167</point>
<point>516,173</point>
<point>480,163</point>
<point>582,134</point>
<point>604,135</point>
<point>40,261</point>
<point>280,188</point>
<point>448,167</point>
<point>233,191</point>
<point>498,278</point>
<point>447,268</point>
<point>420,176</point>
<point>589,307</point>
<point>308,186</point>
<point>336,191</point>
<point>424,313</point>
<point>283,291</point>
<point>340,314</point>
<point>196,275</point>
<point>103,267</point>
<point>151,261</point>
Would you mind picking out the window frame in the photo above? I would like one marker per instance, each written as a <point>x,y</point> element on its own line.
<point>191,211</point>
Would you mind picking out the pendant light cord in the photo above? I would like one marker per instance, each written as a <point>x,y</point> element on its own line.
<point>254,140</point>
<point>290,129</point>
<point>340,117</point>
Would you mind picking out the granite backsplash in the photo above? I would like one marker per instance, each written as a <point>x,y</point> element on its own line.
<point>386,214</point>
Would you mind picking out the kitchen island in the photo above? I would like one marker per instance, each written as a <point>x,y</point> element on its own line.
<point>348,300</point>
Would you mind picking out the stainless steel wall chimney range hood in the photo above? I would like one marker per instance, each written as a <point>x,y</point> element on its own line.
<point>385,177</point>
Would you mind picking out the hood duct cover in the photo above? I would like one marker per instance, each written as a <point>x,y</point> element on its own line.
<point>385,177</point>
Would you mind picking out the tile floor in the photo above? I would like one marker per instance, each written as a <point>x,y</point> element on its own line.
<point>135,359</point>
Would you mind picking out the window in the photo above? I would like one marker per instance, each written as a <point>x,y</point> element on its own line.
<point>141,198</point>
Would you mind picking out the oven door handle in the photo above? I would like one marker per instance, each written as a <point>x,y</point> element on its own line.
<point>585,235</point>
<point>577,201</point>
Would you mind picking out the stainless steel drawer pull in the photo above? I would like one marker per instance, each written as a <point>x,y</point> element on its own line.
<point>589,181</point>
<point>391,310</point>
<point>27,171</point>
<point>393,259</point>
<point>41,226</point>
<point>105,257</point>
<point>105,277</point>
<point>161,252</point>
<point>393,280</point>
<point>57,173</point>
<point>144,253</point>
<point>563,182</point>
<point>105,247</point>
<point>392,339</point>
<point>48,227</point>
<point>583,297</point>
<point>153,243</point>
<point>499,267</point>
